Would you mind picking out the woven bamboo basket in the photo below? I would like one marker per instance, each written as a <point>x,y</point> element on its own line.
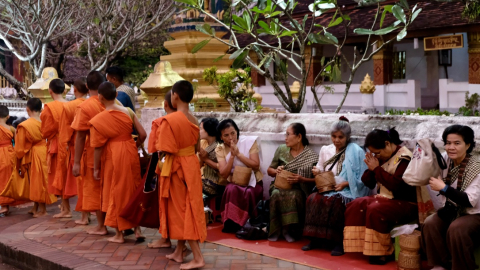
<point>241,176</point>
<point>408,261</point>
<point>410,243</point>
<point>325,181</point>
<point>208,217</point>
<point>281,180</point>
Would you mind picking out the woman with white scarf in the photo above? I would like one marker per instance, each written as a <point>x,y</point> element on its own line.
<point>239,160</point>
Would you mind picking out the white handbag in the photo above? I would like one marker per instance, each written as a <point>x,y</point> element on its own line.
<point>426,162</point>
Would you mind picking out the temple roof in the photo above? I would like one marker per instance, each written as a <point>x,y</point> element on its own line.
<point>436,18</point>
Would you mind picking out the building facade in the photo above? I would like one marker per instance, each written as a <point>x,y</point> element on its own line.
<point>406,75</point>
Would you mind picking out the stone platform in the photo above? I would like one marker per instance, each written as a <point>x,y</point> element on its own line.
<point>59,244</point>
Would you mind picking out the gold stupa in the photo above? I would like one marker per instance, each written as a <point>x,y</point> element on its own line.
<point>39,89</point>
<point>159,83</point>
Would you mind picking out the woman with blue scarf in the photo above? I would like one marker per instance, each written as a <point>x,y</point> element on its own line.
<point>325,211</point>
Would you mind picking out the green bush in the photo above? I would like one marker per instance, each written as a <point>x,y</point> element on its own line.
<point>235,86</point>
<point>418,111</point>
<point>471,105</point>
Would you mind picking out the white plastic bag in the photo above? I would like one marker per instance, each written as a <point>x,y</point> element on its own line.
<point>424,164</point>
<point>405,229</point>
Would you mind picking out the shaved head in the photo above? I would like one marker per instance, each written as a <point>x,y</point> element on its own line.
<point>107,90</point>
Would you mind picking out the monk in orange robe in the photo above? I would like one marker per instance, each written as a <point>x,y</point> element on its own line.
<point>181,201</point>
<point>84,152</point>
<point>111,135</point>
<point>64,179</point>
<point>168,107</point>
<point>50,121</point>
<point>31,151</point>
<point>7,162</point>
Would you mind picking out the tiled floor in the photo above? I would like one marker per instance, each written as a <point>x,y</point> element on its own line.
<point>73,242</point>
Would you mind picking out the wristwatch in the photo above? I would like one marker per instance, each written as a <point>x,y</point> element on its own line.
<point>444,189</point>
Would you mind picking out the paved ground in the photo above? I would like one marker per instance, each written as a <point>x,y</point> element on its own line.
<point>4,266</point>
<point>61,244</point>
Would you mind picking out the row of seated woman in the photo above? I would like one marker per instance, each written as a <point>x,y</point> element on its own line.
<point>368,199</point>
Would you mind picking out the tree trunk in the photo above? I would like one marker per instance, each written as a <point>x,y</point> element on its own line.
<point>347,89</point>
<point>317,101</point>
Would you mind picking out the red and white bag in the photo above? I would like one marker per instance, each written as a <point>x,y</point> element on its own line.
<point>426,162</point>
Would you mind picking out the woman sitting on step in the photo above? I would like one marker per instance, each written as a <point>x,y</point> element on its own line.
<point>369,220</point>
<point>287,206</point>
<point>239,160</point>
<point>450,236</point>
<point>325,213</point>
<point>212,185</point>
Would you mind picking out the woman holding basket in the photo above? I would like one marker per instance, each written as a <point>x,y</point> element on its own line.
<point>292,168</point>
<point>238,162</point>
<point>326,207</point>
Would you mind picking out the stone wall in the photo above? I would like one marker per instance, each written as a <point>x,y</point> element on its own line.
<point>271,127</point>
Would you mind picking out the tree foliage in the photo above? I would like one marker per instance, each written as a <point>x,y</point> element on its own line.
<point>44,32</point>
<point>275,20</point>
<point>235,86</point>
<point>28,26</point>
<point>116,24</point>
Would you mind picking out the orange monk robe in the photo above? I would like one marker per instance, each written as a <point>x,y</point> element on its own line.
<point>50,117</point>
<point>181,203</point>
<point>32,149</point>
<point>64,179</point>
<point>92,189</point>
<point>7,161</point>
<point>112,129</point>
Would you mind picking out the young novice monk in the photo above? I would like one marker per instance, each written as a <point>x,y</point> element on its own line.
<point>92,189</point>
<point>64,179</point>
<point>7,162</point>
<point>111,135</point>
<point>50,121</point>
<point>31,150</point>
<point>168,107</point>
<point>181,203</point>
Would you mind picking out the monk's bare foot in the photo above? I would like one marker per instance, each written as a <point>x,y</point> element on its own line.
<point>5,210</point>
<point>34,209</point>
<point>176,257</point>
<point>138,234</point>
<point>40,214</point>
<point>82,222</point>
<point>63,214</point>
<point>186,252</point>
<point>160,243</point>
<point>85,220</point>
<point>193,264</point>
<point>98,231</point>
<point>117,239</point>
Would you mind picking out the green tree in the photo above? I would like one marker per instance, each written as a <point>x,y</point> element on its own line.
<point>275,20</point>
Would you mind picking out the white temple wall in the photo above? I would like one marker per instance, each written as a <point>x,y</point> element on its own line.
<point>420,88</point>
<point>452,94</point>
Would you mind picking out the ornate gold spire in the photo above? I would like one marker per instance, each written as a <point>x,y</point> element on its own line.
<point>367,86</point>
